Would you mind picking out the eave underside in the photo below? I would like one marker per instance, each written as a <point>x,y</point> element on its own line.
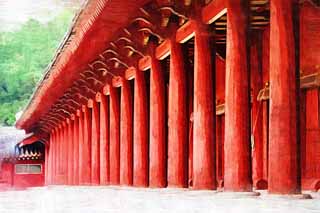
<point>110,41</point>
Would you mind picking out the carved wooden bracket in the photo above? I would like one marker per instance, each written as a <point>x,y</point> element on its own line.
<point>220,109</point>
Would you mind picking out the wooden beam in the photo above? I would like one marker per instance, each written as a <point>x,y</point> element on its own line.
<point>258,2</point>
<point>214,10</point>
<point>185,32</point>
<point>163,50</point>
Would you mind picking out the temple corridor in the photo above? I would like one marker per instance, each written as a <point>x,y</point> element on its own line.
<point>200,95</point>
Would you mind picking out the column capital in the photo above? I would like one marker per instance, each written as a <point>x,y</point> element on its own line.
<point>72,116</point>
<point>84,108</point>
<point>98,97</point>
<point>90,103</point>
<point>106,90</point>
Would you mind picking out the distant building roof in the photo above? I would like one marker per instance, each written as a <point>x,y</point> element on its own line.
<point>9,137</point>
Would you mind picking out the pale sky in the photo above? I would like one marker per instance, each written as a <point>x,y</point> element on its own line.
<point>15,12</point>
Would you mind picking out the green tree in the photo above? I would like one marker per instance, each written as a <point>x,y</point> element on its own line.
<point>24,55</point>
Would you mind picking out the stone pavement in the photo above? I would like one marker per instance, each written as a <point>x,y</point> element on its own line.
<point>100,199</point>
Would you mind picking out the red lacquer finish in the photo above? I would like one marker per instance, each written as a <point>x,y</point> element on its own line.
<point>310,144</point>
<point>114,157</point>
<point>158,160</point>
<point>49,160</point>
<point>177,120</point>
<point>86,149</point>
<point>220,150</point>
<point>256,111</point>
<point>95,145</point>
<point>104,141</point>
<point>22,180</point>
<point>60,155</point>
<point>65,141</point>
<point>54,157</point>
<point>204,173</point>
<point>81,149</point>
<point>126,135</point>
<point>46,165</point>
<point>140,132</point>
<point>198,130</point>
<point>237,164</point>
<point>76,151</point>
<point>70,152</point>
<point>283,141</point>
<point>265,103</point>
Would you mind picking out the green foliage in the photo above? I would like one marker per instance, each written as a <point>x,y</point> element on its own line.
<point>24,55</point>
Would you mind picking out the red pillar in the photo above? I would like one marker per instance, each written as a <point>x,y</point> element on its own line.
<point>66,141</point>
<point>87,131</point>
<point>76,142</point>
<point>104,141</point>
<point>158,160</point>
<point>63,160</point>
<point>46,165</point>
<point>95,152</point>
<point>265,132</point>
<point>114,157</point>
<point>311,129</point>
<point>81,149</point>
<point>265,104</point>
<point>140,134</point>
<point>49,157</point>
<point>304,114</point>
<point>256,112</point>
<point>65,151</point>
<point>283,143</point>
<point>126,134</point>
<point>60,155</point>
<point>237,106</point>
<point>70,152</point>
<point>54,157</point>
<point>204,173</point>
<point>219,150</point>
<point>177,120</point>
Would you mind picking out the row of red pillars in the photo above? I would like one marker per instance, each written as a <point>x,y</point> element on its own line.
<point>109,142</point>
